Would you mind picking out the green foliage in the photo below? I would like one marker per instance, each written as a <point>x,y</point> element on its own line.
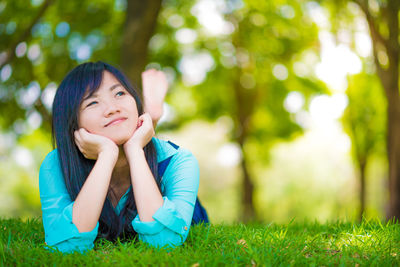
<point>53,46</point>
<point>364,118</point>
<point>19,184</point>
<point>267,34</point>
<point>294,244</point>
<point>249,73</point>
<point>45,53</point>
<point>264,36</point>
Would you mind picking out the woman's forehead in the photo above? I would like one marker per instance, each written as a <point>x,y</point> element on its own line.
<point>106,79</point>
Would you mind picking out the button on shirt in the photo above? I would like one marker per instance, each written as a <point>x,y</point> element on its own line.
<point>172,220</point>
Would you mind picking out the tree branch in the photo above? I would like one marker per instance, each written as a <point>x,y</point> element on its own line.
<point>393,26</point>
<point>10,52</point>
<point>140,23</point>
<point>363,4</point>
<point>376,39</point>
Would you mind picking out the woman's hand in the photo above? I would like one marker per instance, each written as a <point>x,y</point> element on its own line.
<point>142,135</point>
<point>92,145</point>
<point>155,87</point>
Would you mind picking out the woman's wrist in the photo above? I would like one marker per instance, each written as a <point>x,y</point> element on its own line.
<point>133,151</point>
<point>109,155</point>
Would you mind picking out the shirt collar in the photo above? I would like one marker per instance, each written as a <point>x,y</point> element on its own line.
<point>164,149</point>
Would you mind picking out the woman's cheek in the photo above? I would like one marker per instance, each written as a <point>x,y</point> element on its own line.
<point>130,134</point>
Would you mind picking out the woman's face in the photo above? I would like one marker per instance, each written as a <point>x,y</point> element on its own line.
<point>111,111</point>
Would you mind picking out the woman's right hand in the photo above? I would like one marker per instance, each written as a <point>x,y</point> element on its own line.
<point>92,145</point>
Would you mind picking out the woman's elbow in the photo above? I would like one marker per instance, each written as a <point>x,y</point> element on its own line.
<point>69,246</point>
<point>172,240</point>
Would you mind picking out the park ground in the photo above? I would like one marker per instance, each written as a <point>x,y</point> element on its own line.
<point>371,243</point>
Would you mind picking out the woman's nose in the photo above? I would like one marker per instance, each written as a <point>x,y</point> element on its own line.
<point>110,109</point>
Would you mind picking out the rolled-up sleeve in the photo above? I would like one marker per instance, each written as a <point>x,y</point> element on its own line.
<point>173,219</point>
<point>60,232</point>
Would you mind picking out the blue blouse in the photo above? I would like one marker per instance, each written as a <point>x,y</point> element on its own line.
<point>172,220</point>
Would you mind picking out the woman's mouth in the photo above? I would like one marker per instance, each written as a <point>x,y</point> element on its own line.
<point>114,122</point>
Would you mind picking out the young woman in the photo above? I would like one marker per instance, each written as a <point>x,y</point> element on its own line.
<point>109,177</point>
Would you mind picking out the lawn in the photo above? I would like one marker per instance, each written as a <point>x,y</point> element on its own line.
<point>294,244</point>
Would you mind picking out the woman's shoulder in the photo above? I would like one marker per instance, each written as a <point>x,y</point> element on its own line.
<point>51,160</point>
<point>168,149</point>
<point>50,175</point>
<point>181,163</point>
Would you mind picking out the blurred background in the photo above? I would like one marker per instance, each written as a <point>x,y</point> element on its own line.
<point>291,107</point>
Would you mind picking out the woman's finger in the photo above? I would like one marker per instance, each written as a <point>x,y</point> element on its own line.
<point>77,136</point>
<point>147,119</point>
<point>80,148</point>
<point>82,132</point>
<point>78,144</point>
<point>85,135</point>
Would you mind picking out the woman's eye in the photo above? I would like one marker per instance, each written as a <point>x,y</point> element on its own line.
<point>120,93</point>
<point>91,103</point>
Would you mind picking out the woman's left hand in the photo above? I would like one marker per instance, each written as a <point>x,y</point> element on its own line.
<point>142,135</point>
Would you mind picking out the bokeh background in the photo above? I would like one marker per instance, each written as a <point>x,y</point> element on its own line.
<point>283,102</point>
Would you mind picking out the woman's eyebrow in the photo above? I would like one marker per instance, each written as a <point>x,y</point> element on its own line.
<point>94,94</point>
<point>89,96</point>
<point>114,86</point>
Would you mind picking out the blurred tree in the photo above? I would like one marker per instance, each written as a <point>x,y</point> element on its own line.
<point>248,72</point>
<point>364,124</point>
<point>40,41</point>
<point>140,22</point>
<point>37,51</point>
<point>263,77</point>
<point>8,54</point>
<point>239,59</point>
<point>383,21</point>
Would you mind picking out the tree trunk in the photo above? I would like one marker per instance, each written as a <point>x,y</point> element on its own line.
<point>362,166</point>
<point>141,19</point>
<point>244,103</point>
<point>393,149</point>
<point>248,211</point>
<point>389,78</point>
<point>390,82</point>
<point>244,108</point>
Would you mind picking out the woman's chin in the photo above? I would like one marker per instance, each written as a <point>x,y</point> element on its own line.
<point>120,141</point>
<point>122,138</point>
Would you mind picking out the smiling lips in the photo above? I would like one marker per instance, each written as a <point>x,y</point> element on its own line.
<point>116,121</point>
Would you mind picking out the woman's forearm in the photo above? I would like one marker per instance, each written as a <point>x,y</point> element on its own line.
<point>90,200</point>
<point>147,195</point>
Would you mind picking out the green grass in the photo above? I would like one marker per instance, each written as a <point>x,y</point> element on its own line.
<point>295,244</point>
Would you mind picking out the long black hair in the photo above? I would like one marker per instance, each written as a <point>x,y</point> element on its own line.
<point>86,78</point>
